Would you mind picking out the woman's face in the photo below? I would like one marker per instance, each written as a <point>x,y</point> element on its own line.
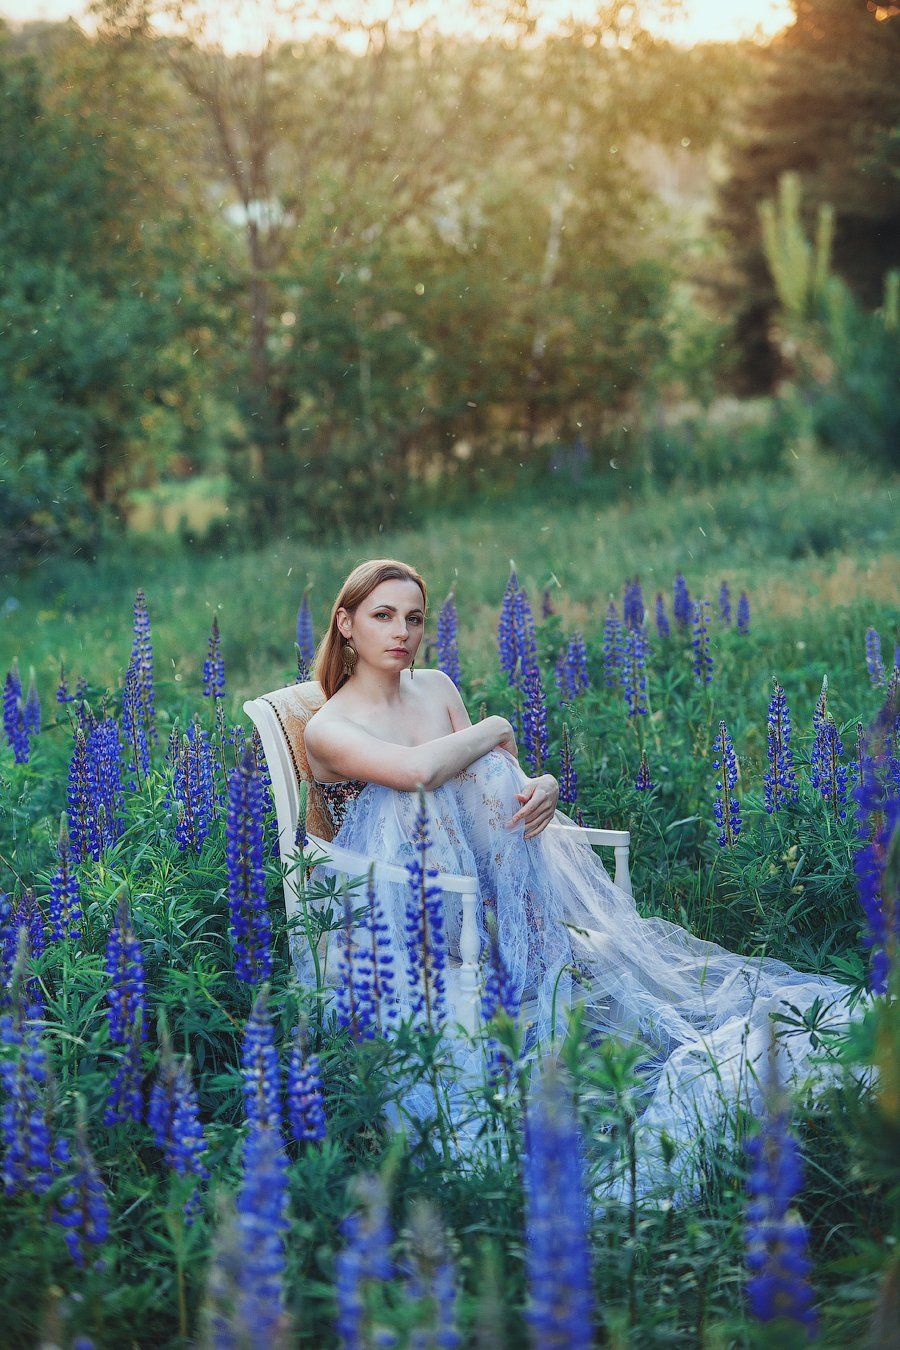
<point>388,625</point>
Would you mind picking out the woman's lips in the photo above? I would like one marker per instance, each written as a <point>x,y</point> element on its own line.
<point>398,651</point>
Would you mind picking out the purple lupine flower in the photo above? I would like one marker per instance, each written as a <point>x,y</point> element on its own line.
<point>306,642</point>
<point>250,926</point>
<point>820,712</point>
<point>192,784</point>
<point>877,796</point>
<point>31,711</point>
<point>65,892</point>
<point>28,914</point>
<point>17,927</point>
<point>134,731</point>
<point>84,713</point>
<point>127,1015</point>
<point>498,991</point>
<point>643,782</point>
<point>214,665</point>
<point>724,603</point>
<point>13,715</point>
<point>568,778</point>
<point>546,603</point>
<point>827,773</point>
<point>557,1223</point>
<point>375,961</point>
<point>535,721</point>
<point>776,1238</point>
<point>305,1097</point>
<point>682,605</point>
<point>506,636</point>
<point>571,669</point>
<point>365,1259</point>
<point>634,671</point>
<point>703,662</point>
<point>262,1222</point>
<point>726,808</point>
<point>262,767</point>
<point>612,647</point>
<point>431,1280</point>
<point>260,1068</point>
<point>29,1155</point>
<point>355,999</point>
<point>81,802</point>
<point>62,691</point>
<point>632,604</point>
<point>874,661</point>
<point>83,1207</point>
<point>142,657</point>
<point>104,760</point>
<point>174,1116</point>
<point>523,629</point>
<point>743,613</point>
<point>780,781</point>
<point>662,620</point>
<point>448,639</point>
<point>425,947</point>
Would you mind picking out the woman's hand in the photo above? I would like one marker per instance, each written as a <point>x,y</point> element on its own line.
<point>539,796</point>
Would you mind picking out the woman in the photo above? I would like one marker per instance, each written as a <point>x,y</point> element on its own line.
<point>565,929</point>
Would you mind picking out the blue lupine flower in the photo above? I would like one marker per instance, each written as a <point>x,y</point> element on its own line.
<point>127,1016</point>
<point>31,712</point>
<point>260,1068</point>
<point>65,892</point>
<point>306,642</point>
<point>568,778</point>
<point>662,620</point>
<point>703,662</point>
<point>634,671</point>
<point>250,925</point>
<point>743,613</point>
<point>365,997</point>
<point>827,773</point>
<point>62,691</point>
<point>83,1208</point>
<point>192,784</point>
<point>506,636</point>
<point>305,1097</point>
<point>523,629</point>
<point>776,1238</point>
<point>726,808</point>
<point>557,1224</point>
<point>262,1222</point>
<point>142,657</point>
<point>448,639</point>
<point>877,796</point>
<point>355,999</point>
<point>13,715</point>
<point>365,1259</point>
<point>214,665</point>
<point>104,759</point>
<point>431,1281</point>
<point>571,674</point>
<point>874,661</point>
<point>29,1155</point>
<point>682,605</point>
<point>643,782</point>
<point>820,711</point>
<point>780,781</point>
<point>81,803</point>
<point>499,990</point>
<point>535,721</point>
<point>134,732</point>
<point>724,603</point>
<point>632,604</point>
<point>19,924</point>
<point>28,914</point>
<point>425,947</point>
<point>612,647</point>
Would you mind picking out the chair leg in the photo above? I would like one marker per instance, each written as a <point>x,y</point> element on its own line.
<point>623,875</point>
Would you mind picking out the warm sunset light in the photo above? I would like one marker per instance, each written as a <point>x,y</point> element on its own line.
<point>237,26</point>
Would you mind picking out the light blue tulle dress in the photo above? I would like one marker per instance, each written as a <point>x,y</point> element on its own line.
<point>568,932</point>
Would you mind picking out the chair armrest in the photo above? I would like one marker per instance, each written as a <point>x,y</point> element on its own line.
<point>356,864</point>
<point>613,838</point>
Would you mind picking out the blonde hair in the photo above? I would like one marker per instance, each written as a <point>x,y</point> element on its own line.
<point>328,665</point>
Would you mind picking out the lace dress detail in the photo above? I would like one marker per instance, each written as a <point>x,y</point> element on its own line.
<point>336,797</point>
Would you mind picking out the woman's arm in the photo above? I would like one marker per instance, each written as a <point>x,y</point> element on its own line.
<point>459,714</point>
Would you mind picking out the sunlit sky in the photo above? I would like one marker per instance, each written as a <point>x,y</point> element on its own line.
<point>245,26</point>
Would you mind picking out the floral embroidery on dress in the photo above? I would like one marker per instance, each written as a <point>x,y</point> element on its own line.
<point>336,797</point>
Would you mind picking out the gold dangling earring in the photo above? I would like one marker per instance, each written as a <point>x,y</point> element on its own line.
<point>349,656</point>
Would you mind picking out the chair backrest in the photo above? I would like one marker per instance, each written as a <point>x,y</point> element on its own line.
<point>293,706</point>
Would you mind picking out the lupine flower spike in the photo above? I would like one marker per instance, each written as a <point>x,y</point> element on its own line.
<point>568,778</point>
<point>29,1156</point>
<point>214,666</point>
<point>134,732</point>
<point>305,1098</point>
<point>431,1282</point>
<point>874,661</point>
<point>31,712</point>
<point>62,690</point>
<point>572,677</point>
<point>828,774</point>
<point>262,1222</point>
<point>612,647</point>
<point>65,892</point>
<point>682,604</point>
<point>142,656</point>
<point>193,789</point>
<point>776,1239</point>
<point>557,1224</point>
<point>726,808</point>
<point>448,638</point>
<point>877,798</point>
<point>306,642</point>
<point>355,996</point>
<point>643,782</point>
<point>260,1067</point>
<point>743,613</point>
<point>83,1208</point>
<point>724,603</point>
<point>425,947</point>
<point>703,662</point>
<point>173,1115</point>
<point>535,721</point>
<point>780,783</point>
<point>250,926</point>
<point>364,1260</point>
<point>633,604</point>
<point>506,638</point>
<point>13,715</point>
<point>127,1016</point>
<point>662,619</point>
<point>634,673</point>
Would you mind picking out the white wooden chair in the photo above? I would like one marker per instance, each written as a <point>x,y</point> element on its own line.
<point>280,718</point>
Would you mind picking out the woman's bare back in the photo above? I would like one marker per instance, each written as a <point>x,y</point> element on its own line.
<point>423,715</point>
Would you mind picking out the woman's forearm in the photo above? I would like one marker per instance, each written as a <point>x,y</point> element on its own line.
<point>446,756</point>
